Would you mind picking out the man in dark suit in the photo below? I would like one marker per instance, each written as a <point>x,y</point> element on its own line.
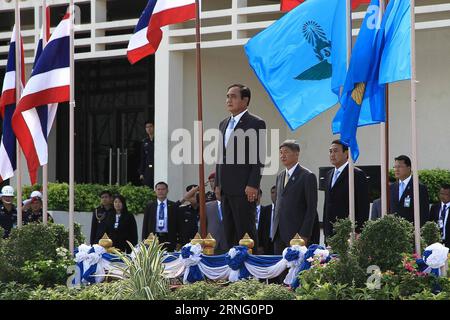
<point>160,217</point>
<point>439,213</point>
<point>238,173</point>
<point>296,204</point>
<point>402,195</point>
<point>214,223</point>
<point>265,225</point>
<point>336,204</point>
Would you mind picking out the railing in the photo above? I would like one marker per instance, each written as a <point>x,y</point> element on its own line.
<point>231,25</point>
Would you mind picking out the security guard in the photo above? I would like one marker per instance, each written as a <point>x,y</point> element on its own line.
<point>188,218</point>
<point>8,212</point>
<point>146,168</point>
<point>100,216</point>
<point>34,214</point>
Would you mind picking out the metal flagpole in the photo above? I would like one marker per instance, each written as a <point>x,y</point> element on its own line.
<point>18,94</point>
<point>351,167</point>
<point>414,130</point>
<point>71,129</point>
<point>200,120</point>
<point>45,167</point>
<point>384,143</point>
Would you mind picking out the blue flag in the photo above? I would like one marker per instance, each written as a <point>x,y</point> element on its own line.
<point>361,89</point>
<point>301,59</point>
<point>396,58</point>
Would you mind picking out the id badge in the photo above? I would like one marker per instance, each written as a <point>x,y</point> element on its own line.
<point>407,203</point>
<point>160,223</point>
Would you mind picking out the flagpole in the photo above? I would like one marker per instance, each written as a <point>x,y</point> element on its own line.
<point>200,120</point>
<point>384,142</point>
<point>45,167</point>
<point>351,166</point>
<point>18,94</point>
<point>71,130</point>
<point>414,130</point>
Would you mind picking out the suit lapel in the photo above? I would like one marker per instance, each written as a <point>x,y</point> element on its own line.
<point>242,122</point>
<point>408,190</point>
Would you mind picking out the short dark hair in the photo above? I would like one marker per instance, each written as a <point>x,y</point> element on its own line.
<point>445,186</point>
<point>339,142</point>
<point>162,182</point>
<point>106,192</point>
<point>244,90</point>
<point>405,159</point>
<point>147,122</point>
<point>291,145</point>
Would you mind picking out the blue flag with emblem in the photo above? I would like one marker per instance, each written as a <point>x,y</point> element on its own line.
<point>361,88</point>
<point>381,55</point>
<point>301,59</point>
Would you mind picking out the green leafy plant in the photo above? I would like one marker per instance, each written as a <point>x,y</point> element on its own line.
<point>201,290</point>
<point>430,233</point>
<point>274,292</point>
<point>31,245</point>
<point>383,241</point>
<point>143,276</point>
<point>240,290</point>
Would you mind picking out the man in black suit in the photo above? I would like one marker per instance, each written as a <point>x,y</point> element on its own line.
<point>265,225</point>
<point>336,204</point>
<point>160,217</point>
<point>238,173</point>
<point>439,213</point>
<point>100,215</point>
<point>296,204</point>
<point>402,195</point>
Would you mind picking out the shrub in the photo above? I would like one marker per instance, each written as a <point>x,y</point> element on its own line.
<point>143,276</point>
<point>99,291</point>
<point>240,290</point>
<point>274,292</point>
<point>14,291</point>
<point>29,247</point>
<point>430,233</point>
<point>346,269</point>
<point>383,241</point>
<point>201,290</point>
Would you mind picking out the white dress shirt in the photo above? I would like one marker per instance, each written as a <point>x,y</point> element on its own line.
<point>229,131</point>
<point>166,226</point>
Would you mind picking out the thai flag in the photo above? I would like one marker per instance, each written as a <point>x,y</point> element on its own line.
<point>158,13</point>
<point>7,108</point>
<point>49,84</point>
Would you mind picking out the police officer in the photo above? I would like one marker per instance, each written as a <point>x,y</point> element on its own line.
<point>188,218</point>
<point>8,212</point>
<point>100,215</point>
<point>34,213</point>
<point>146,167</point>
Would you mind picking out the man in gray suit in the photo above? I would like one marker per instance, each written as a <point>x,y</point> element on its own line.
<point>296,204</point>
<point>214,223</point>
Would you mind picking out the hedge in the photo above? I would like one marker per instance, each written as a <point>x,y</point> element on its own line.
<point>87,196</point>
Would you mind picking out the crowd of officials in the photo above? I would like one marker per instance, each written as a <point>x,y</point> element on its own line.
<point>233,205</point>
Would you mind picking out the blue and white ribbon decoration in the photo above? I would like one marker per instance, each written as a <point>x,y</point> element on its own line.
<point>294,257</point>
<point>433,258</point>
<point>314,252</point>
<point>91,263</point>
